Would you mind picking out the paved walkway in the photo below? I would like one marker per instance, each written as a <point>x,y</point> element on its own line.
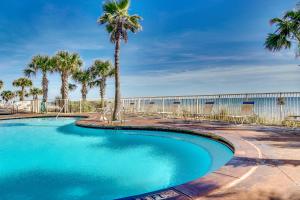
<point>267,159</point>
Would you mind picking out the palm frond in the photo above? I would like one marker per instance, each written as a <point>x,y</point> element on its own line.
<point>72,87</point>
<point>1,84</point>
<point>276,42</point>
<point>110,6</point>
<point>275,20</point>
<point>118,21</point>
<point>28,72</point>
<point>123,4</point>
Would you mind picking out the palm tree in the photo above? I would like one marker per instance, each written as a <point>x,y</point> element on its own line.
<point>287,31</point>
<point>7,95</point>
<point>118,23</point>
<point>66,64</point>
<point>101,70</point>
<point>22,83</point>
<point>19,94</point>
<point>35,92</point>
<point>43,64</point>
<point>1,84</point>
<point>84,78</point>
<point>72,87</point>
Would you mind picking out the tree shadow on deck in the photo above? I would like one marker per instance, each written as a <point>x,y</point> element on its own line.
<point>279,141</point>
<point>254,195</point>
<point>245,162</point>
<point>281,137</point>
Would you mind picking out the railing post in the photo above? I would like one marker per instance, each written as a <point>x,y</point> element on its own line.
<point>80,109</point>
<point>163,105</point>
<point>281,107</point>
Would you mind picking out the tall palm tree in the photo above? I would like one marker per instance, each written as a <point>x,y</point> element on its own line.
<point>118,22</point>
<point>101,71</point>
<point>35,93</point>
<point>287,31</point>
<point>22,83</point>
<point>43,64</point>
<point>7,95</point>
<point>84,78</point>
<point>1,84</point>
<point>66,64</point>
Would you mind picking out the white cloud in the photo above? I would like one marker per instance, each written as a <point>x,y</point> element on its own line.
<point>217,80</point>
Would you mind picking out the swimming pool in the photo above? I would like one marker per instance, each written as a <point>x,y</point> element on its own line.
<point>51,159</point>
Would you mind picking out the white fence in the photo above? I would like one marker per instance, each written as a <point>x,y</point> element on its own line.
<point>272,107</point>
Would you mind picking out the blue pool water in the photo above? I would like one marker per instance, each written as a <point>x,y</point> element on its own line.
<point>53,159</point>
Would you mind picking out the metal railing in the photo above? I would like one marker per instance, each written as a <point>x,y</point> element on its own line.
<point>268,107</point>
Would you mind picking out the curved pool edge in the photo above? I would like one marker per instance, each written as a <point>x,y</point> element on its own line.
<point>155,128</point>
<point>224,178</point>
<point>190,190</point>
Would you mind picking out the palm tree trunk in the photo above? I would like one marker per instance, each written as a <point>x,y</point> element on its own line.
<point>64,90</point>
<point>102,92</point>
<point>45,87</point>
<point>22,94</point>
<point>84,91</point>
<point>116,112</point>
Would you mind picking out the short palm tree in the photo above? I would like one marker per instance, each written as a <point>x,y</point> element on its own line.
<point>72,87</point>
<point>19,94</point>
<point>101,71</point>
<point>84,78</point>
<point>7,95</point>
<point>43,64</point>
<point>1,85</point>
<point>35,93</point>
<point>22,83</point>
<point>66,64</point>
<point>118,22</point>
<point>287,31</point>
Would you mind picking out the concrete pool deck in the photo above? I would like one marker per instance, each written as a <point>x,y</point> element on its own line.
<point>266,158</point>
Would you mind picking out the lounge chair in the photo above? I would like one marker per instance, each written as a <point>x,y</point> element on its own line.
<point>23,106</point>
<point>292,121</point>
<point>207,111</point>
<point>104,114</point>
<point>176,109</point>
<point>131,110</point>
<point>6,109</point>
<point>247,113</point>
<point>150,110</point>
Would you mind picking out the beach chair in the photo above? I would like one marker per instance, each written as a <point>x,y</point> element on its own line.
<point>247,113</point>
<point>24,106</point>
<point>292,121</point>
<point>150,110</point>
<point>131,110</point>
<point>6,111</point>
<point>176,109</point>
<point>207,111</point>
<point>7,108</point>
<point>104,114</point>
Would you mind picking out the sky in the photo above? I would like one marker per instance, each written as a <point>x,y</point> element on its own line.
<point>186,47</point>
